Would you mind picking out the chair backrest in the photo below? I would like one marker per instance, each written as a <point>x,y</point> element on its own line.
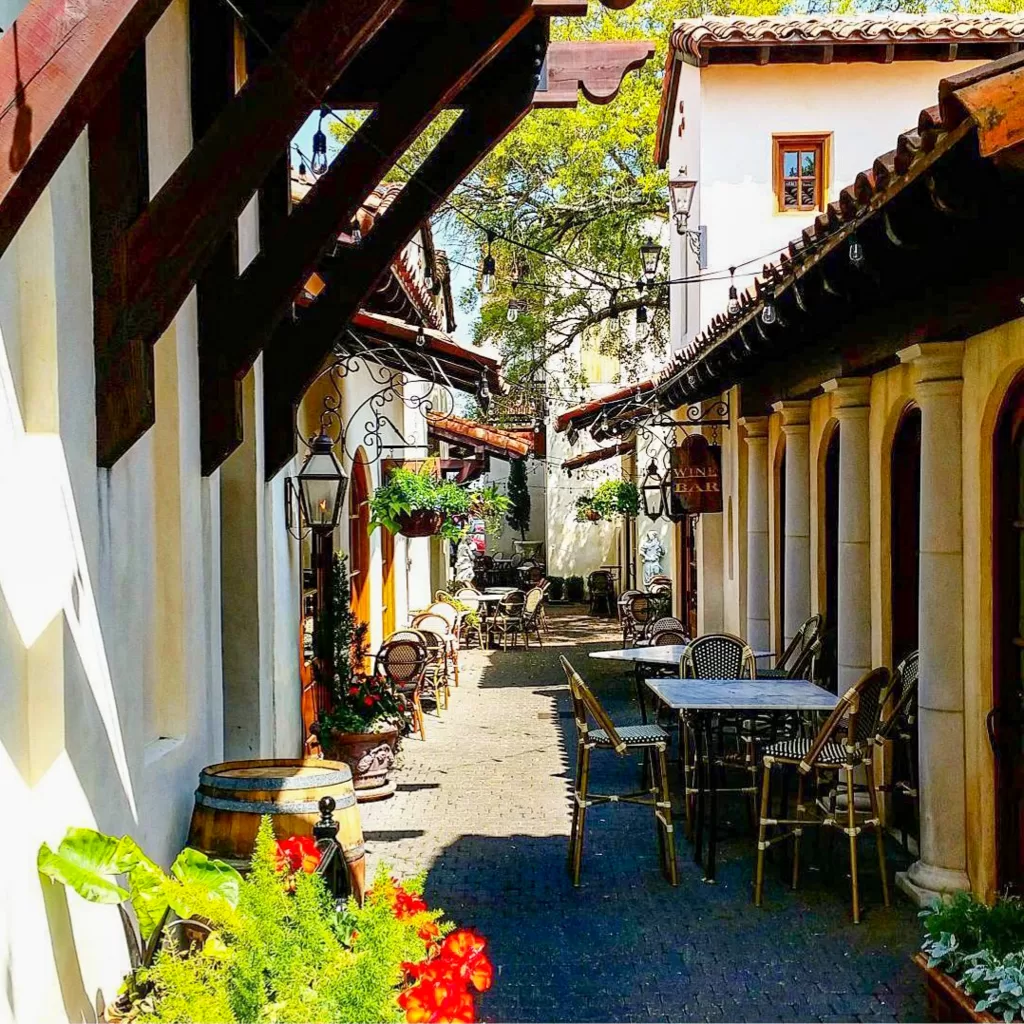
<point>533,600</point>
<point>471,599</point>
<point>717,656</point>
<point>402,662</point>
<point>432,642</point>
<point>516,560</point>
<point>585,704</point>
<point>806,635</point>
<point>805,660</point>
<point>660,580</point>
<point>900,697</point>
<point>457,589</point>
<point>665,637</point>
<point>432,621</point>
<point>447,611</point>
<point>853,721</point>
<point>599,582</point>
<point>511,605</point>
<point>639,608</point>
<point>666,622</point>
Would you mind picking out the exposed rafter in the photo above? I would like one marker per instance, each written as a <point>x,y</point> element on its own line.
<point>595,69</point>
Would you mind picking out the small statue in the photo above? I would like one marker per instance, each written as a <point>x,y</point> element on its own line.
<point>652,552</point>
<point>465,555</point>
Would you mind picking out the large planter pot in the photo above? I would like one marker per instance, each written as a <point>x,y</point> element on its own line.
<point>947,1002</point>
<point>420,522</point>
<point>370,755</point>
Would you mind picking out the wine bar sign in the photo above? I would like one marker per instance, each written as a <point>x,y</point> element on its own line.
<point>697,475</point>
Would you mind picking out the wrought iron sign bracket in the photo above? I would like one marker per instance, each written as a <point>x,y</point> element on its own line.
<point>715,415</point>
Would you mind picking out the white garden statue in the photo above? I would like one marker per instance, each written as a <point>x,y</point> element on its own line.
<point>652,552</point>
<point>464,556</point>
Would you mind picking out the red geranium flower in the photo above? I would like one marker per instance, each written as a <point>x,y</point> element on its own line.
<point>368,701</point>
<point>297,853</point>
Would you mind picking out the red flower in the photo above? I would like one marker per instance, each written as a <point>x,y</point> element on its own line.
<point>406,904</point>
<point>353,691</point>
<point>368,701</point>
<point>297,853</point>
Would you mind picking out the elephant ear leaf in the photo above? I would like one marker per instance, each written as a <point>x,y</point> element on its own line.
<point>215,876</point>
<point>148,887</point>
<point>86,861</point>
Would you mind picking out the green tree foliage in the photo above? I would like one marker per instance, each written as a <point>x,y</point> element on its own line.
<point>519,495</point>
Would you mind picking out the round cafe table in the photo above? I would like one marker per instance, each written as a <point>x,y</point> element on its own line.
<point>500,591</point>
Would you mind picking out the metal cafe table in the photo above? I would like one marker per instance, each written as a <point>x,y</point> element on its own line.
<point>703,699</point>
<point>663,655</point>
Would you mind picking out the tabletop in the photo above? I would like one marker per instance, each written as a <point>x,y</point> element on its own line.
<point>663,654</point>
<point>742,695</point>
<point>488,598</point>
<point>500,591</point>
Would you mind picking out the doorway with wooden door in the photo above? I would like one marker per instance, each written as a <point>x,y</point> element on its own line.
<point>1006,719</point>
<point>687,574</point>
<point>359,543</point>
<point>830,552</point>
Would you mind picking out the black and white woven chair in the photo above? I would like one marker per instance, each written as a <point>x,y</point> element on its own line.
<point>798,658</point>
<point>605,735</point>
<point>899,727</point>
<point>843,746</point>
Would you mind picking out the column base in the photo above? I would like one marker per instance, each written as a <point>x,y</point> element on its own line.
<point>925,883</point>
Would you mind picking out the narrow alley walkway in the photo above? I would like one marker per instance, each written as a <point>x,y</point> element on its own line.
<point>483,807</point>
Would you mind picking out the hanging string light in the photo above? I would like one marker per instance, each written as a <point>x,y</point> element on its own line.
<point>483,395</point>
<point>515,305</point>
<point>733,308</point>
<point>421,336</point>
<point>769,314</point>
<point>319,162</point>
<point>856,252</point>
<point>489,268</point>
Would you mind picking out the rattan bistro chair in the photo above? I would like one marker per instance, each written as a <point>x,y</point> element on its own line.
<point>843,745</point>
<point>507,620</point>
<point>602,591</point>
<point>899,727</point>
<point>717,656</point>
<point>798,656</point>
<point>402,664</point>
<point>651,739</point>
<point>666,630</point>
<point>634,614</point>
<point>533,606</point>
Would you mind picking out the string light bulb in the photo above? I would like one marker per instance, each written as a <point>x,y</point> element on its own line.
<point>768,314</point>
<point>515,307</point>
<point>357,235</point>
<point>483,395</point>
<point>421,336</point>
<point>319,162</point>
<point>489,268</point>
<point>856,252</point>
<point>733,308</point>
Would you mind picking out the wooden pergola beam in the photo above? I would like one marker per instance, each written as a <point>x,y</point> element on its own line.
<point>298,348</point>
<point>597,69</point>
<point>169,244</point>
<point>56,62</point>
<point>267,288</point>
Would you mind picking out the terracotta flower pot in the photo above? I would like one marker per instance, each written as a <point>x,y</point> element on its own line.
<point>593,515</point>
<point>421,522</point>
<point>370,755</point>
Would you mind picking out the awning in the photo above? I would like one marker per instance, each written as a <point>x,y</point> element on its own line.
<point>504,444</point>
<point>441,359</point>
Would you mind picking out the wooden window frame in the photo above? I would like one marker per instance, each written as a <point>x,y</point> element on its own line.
<point>819,141</point>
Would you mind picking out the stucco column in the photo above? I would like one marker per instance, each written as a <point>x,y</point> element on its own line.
<point>796,541</point>
<point>758,589</point>
<point>850,404</point>
<point>936,370</point>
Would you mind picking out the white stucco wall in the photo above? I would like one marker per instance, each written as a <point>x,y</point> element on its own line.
<point>109,610</point>
<point>731,114</point>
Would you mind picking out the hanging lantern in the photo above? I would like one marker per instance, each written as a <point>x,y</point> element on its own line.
<point>321,485</point>
<point>489,268</point>
<point>733,308</point>
<point>652,493</point>
<point>650,255</point>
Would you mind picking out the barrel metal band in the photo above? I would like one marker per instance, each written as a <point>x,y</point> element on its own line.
<point>331,777</point>
<point>215,803</point>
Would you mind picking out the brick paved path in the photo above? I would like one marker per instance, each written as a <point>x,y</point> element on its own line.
<point>483,806</point>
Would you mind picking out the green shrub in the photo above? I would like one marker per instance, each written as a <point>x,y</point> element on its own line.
<point>574,588</point>
<point>982,948</point>
<point>556,587</point>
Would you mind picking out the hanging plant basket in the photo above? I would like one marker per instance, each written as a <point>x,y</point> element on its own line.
<point>593,515</point>
<point>421,522</point>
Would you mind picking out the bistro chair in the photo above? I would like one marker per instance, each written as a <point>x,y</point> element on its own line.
<point>602,591</point>
<point>507,620</point>
<point>843,745</point>
<point>453,617</point>
<point>899,726</point>
<point>435,679</point>
<point>667,630</point>
<point>439,624</point>
<point>717,656</point>
<point>532,608</point>
<point>402,664</point>
<point>798,655</point>
<point>475,611</point>
<point>651,739</point>
<point>634,615</point>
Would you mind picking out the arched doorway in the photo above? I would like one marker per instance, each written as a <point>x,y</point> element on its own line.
<point>905,532</point>
<point>830,552</point>
<point>779,483</point>
<point>1006,720</point>
<point>359,540</point>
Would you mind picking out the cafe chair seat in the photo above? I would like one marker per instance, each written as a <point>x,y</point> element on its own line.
<point>795,750</point>
<point>631,735</point>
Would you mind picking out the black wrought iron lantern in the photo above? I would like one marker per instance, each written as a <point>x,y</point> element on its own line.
<point>652,493</point>
<point>650,255</point>
<point>321,484</point>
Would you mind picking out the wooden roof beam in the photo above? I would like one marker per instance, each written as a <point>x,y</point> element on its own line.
<point>56,62</point>
<point>298,349</point>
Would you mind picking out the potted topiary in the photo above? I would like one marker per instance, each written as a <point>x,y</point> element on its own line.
<point>973,959</point>
<point>556,589</point>
<point>360,725</point>
<point>574,589</point>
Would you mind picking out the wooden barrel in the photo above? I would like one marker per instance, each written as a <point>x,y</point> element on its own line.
<point>233,796</point>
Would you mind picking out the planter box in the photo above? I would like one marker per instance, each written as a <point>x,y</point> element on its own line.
<point>946,1002</point>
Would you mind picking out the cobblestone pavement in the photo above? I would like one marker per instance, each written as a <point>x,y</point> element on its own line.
<point>483,807</point>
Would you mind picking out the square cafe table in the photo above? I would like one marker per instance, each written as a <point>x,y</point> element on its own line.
<point>703,698</point>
